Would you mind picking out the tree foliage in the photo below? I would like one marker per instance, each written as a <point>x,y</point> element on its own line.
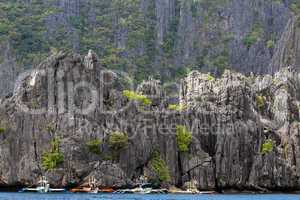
<point>177,107</point>
<point>118,141</point>
<point>260,102</point>
<point>270,44</point>
<point>131,95</point>
<point>159,166</point>
<point>183,138</point>
<point>267,146</point>
<point>252,37</point>
<point>94,146</point>
<point>2,130</point>
<point>53,158</point>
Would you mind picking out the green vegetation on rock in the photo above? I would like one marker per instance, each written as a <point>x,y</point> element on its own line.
<point>267,146</point>
<point>210,77</point>
<point>118,141</point>
<point>183,138</point>
<point>270,44</point>
<point>53,158</point>
<point>159,166</point>
<point>253,36</point>
<point>177,107</point>
<point>51,128</point>
<point>295,6</point>
<point>298,22</point>
<point>2,130</point>
<point>260,102</point>
<point>94,146</point>
<point>133,96</point>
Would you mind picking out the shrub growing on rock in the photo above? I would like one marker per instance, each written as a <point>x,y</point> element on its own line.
<point>177,107</point>
<point>51,128</point>
<point>133,96</point>
<point>295,6</point>
<point>267,146</point>
<point>118,141</point>
<point>160,168</point>
<point>94,146</point>
<point>260,101</point>
<point>2,130</point>
<point>253,36</point>
<point>183,138</point>
<point>210,77</point>
<point>270,44</point>
<point>53,158</point>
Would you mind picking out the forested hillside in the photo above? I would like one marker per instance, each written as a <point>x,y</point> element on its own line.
<point>162,38</point>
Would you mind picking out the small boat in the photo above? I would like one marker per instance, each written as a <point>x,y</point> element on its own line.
<point>106,190</point>
<point>90,188</point>
<point>143,188</point>
<point>175,190</point>
<point>124,191</point>
<point>207,192</point>
<point>94,191</point>
<point>44,187</point>
<point>81,190</point>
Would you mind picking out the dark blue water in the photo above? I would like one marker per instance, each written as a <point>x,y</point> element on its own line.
<point>27,196</point>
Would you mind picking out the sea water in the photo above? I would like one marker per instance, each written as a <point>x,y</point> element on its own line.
<point>32,196</point>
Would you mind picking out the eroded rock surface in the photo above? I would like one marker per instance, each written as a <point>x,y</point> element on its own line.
<point>230,119</point>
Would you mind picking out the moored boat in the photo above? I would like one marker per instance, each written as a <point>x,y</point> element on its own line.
<point>106,190</point>
<point>43,187</point>
<point>87,188</point>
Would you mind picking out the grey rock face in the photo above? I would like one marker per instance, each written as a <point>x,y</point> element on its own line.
<point>110,175</point>
<point>8,70</point>
<point>230,119</point>
<point>90,60</point>
<point>219,29</point>
<point>288,48</point>
<point>165,12</point>
<point>243,18</point>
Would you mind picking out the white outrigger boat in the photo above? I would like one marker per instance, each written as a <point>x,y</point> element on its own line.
<point>44,187</point>
<point>144,188</point>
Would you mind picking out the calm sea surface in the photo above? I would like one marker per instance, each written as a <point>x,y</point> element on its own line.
<point>27,196</point>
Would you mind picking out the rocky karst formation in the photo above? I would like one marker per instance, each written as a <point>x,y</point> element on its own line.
<point>231,119</point>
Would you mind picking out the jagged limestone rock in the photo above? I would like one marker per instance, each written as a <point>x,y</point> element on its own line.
<point>91,60</point>
<point>228,126</point>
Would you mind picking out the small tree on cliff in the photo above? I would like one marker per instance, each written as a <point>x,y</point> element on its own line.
<point>117,142</point>
<point>160,168</point>
<point>53,158</point>
<point>94,146</point>
<point>183,138</point>
<point>267,147</point>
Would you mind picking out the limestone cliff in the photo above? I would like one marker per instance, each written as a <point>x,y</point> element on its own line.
<point>245,130</point>
<point>9,70</point>
<point>288,48</point>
